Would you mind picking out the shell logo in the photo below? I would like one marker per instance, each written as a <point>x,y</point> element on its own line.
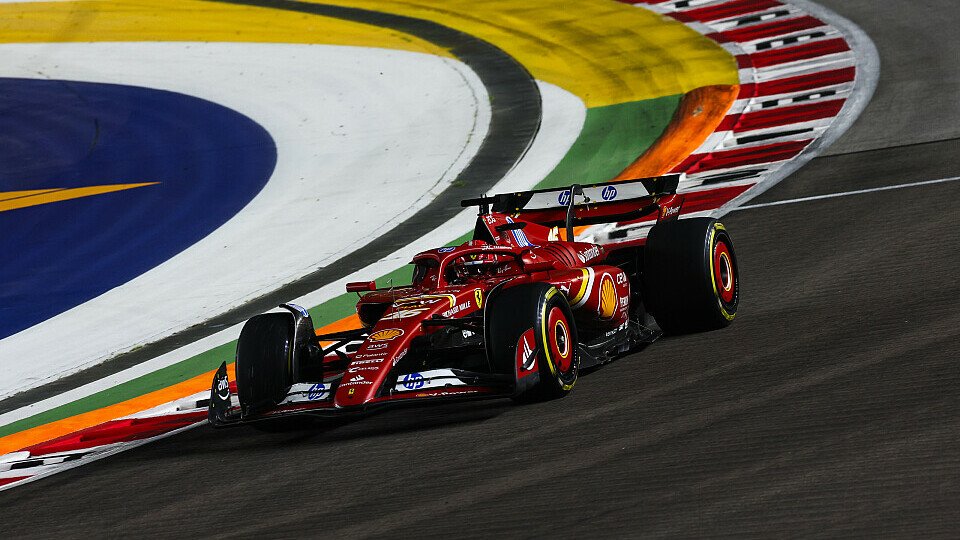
<point>386,335</point>
<point>608,297</point>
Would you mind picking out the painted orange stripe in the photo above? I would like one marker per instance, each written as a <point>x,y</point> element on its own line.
<point>46,432</point>
<point>349,322</point>
<point>59,428</point>
<point>699,114</point>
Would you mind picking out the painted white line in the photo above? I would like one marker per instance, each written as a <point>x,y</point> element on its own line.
<point>848,193</point>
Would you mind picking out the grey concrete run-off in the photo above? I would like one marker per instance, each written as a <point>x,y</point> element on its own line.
<point>829,408</point>
<point>917,98</point>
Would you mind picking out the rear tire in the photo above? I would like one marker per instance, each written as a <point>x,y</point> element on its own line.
<point>540,309</point>
<point>264,361</point>
<point>691,278</point>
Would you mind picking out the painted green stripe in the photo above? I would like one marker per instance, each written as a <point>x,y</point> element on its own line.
<point>612,137</point>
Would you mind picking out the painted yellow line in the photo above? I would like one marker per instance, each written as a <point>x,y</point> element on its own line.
<point>189,20</point>
<point>12,200</point>
<point>603,51</point>
<point>6,196</point>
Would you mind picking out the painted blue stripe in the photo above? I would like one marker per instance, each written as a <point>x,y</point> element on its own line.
<point>210,162</point>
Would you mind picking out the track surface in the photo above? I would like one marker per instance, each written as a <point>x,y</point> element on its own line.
<point>828,408</point>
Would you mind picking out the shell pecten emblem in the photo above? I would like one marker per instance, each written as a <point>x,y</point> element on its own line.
<point>386,335</point>
<point>608,297</point>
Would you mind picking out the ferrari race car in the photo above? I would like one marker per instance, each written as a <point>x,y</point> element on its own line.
<point>518,311</point>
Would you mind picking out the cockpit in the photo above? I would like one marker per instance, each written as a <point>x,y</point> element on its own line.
<point>474,264</point>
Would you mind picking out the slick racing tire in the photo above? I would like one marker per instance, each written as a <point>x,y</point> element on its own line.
<point>264,356</point>
<point>690,274</point>
<point>534,317</point>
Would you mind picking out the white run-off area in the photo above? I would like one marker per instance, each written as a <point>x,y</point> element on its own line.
<point>563,118</point>
<point>365,137</point>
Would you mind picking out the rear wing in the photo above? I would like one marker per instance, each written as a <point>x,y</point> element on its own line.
<point>589,204</point>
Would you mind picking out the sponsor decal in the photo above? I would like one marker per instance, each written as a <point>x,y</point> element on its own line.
<point>400,356</point>
<point>564,198</point>
<point>446,393</point>
<point>609,193</point>
<point>376,346</point>
<point>669,211</point>
<point>351,391</point>
<point>620,328</point>
<point>405,313</point>
<point>554,234</point>
<point>608,297</point>
<point>357,369</point>
<point>412,381</point>
<point>356,382</point>
<point>458,309</point>
<point>374,358</point>
<point>446,249</point>
<point>478,297</point>
<point>588,254</point>
<point>223,389</point>
<point>386,334</point>
<point>316,391</point>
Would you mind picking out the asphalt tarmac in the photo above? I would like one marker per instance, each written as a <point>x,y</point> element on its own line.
<point>829,408</point>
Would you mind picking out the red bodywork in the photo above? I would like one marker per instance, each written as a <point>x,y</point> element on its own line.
<point>599,295</point>
<point>443,310</point>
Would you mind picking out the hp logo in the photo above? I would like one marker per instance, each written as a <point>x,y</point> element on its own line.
<point>412,381</point>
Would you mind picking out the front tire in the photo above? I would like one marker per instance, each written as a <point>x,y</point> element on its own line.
<point>264,361</point>
<point>691,277</point>
<point>534,317</point>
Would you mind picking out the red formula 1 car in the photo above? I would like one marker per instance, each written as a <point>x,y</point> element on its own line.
<point>516,312</point>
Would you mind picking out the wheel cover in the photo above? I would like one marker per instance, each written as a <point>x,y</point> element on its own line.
<point>724,272</point>
<point>559,339</point>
